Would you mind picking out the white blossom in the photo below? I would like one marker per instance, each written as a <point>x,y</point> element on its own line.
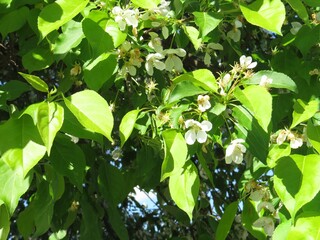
<point>153,60</point>
<point>282,137</point>
<point>203,102</point>
<point>173,61</point>
<point>295,140</point>
<point>155,42</point>
<point>265,81</point>
<point>267,224</point>
<point>246,62</point>
<point>235,33</point>
<point>125,17</point>
<point>197,131</point>
<point>295,27</point>
<point>234,152</point>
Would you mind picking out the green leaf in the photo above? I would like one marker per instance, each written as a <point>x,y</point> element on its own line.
<point>13,21</point>
<point>184,89</point>
<point>276,152</point>
<point>303,111</point>
<point>226,221</point>
<point>117,35</point>
<point>13,89</point>
<point>127,125</point>
<point>202,78</point>
<point>307,37</point>
<point>22,147</point>
<point>313,134</point>
<point>73,127</point>
<point>36,82</point>
<point>307,226</point>
<point>99,40</point>
<point>38,58</point>
<point>54,15</point>
<point>49,122</point>
<point>70,37</point>
<point>300,9</point>
<point>268,14</point>
<point>296,180</point>
<point>13,186</point>
<point>193,35</point>
<point>36,218</point>
<point>259,101</point>
<point>249,216</point>
<point>206,21</point>
<point>279,80</point>
<point>92,111</point>
<point>146,4</point>
<point>175,153</point>
<point>99,70</point>
<point>250,130</point>
<point>184,188</point>
<point>68,159</point>
<point>282,230</point>
<point>4,223</point>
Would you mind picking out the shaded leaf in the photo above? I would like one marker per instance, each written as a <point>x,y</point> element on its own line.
<point>127,125</point>
<point>13,21</point>
<point>226,221</point>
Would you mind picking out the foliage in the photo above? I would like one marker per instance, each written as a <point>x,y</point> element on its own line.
<point>211,106</point>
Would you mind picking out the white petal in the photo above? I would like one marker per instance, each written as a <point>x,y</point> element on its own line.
<point>266,205</point>
<point>159,65</point>
<point>252,65</point>
<point>177,63</point>
<point>206,125</point>
<point>149,68</point>
<point>190,137</point>
<point>201,136</point>
<point>296,143</point>
<point>237,23</point>
<point>242,60</point>
<point>189,123</point>
<point>169,63</point>
<point>207,59</point>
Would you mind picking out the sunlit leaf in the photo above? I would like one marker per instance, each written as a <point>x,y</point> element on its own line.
<point>54,15</point>
<point>313,134</point>
<point>184,188</point>
<point>296,180</point>
<point>303,111</point>
<point>92,111</point>
<point>193,35</point>
<point>268,14</point>
<point>307,226</point>
<point>127,125</point>
<point>175,153</point>
<point>146,4</point>
<point>206,21</point>
<point>36,82</point>
<point>4,222</point>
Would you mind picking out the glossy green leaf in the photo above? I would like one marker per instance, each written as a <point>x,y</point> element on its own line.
<point>307,227</point>
<point>54,15</point>
<point>303,111</point>
<point>13,21</point>
<point>259,101</point>
<point>281,231</point>
<point>36,82</point>
<point>249,129</point>
<point>300,9</point>
<point>296,180</point>
<point>117,35</point>
<point>193,35</point>
<point>68,159</point>
<point>226,221</point>
<point>184,188</point>
<point>175,153</point>
<point>201,77</point>
<point>70,37</point>
<point>4,223</point>
<point>206,21</point>
<point>22,147</point>
<point>49,122</point>
<point>268,14</point>
<point>73,127</point>
<point>279,80</point>
<point>92,111</point>
<point>127,125</point>
<point>184,89</point>
<point>313,134</point>
<point>146,4</point>
<point>13,186</point>
<point>99,70</point>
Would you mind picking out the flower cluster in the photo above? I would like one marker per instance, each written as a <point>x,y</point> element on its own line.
<point>295,139</point>
<point>125,17</point>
